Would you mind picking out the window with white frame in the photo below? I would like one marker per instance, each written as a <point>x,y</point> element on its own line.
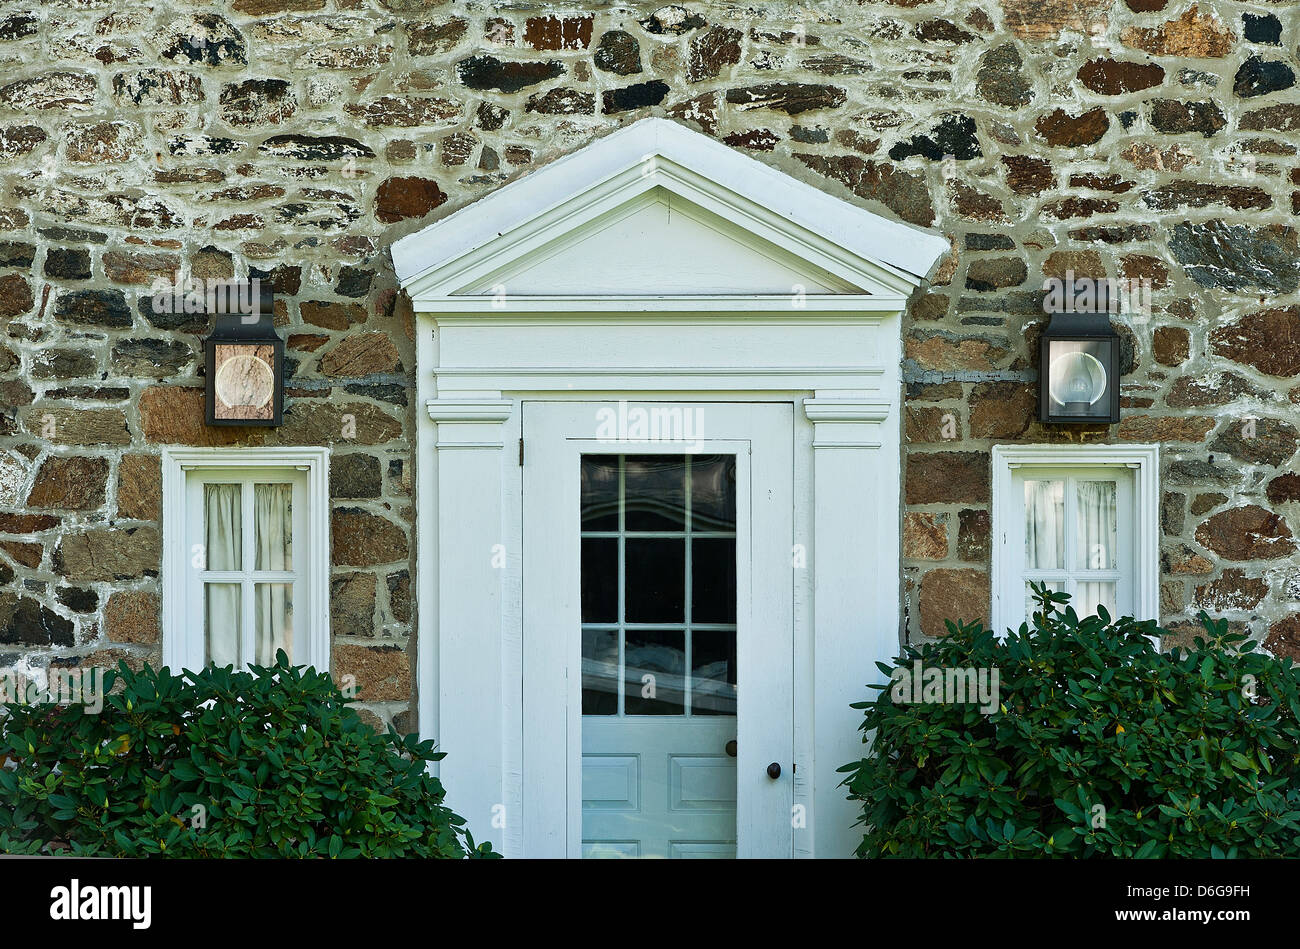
<point>246,557</point>
<point>1080,519</point>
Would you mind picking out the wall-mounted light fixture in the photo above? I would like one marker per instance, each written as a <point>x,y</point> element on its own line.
<point>244,357</point>
<point>1078,370</point>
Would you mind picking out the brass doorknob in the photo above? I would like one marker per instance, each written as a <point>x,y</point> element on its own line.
<point>774,771</point>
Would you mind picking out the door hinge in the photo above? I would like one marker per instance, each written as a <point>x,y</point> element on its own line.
<point>521,453</point>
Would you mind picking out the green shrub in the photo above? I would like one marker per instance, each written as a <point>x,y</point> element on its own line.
<point>1098,745</point>
<point>270,762</point>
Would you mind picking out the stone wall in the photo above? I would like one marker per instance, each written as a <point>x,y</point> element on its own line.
<point>296,139</point>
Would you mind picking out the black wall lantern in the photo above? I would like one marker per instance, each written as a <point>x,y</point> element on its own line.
<point>1078,370</point>
<point>244,356</point>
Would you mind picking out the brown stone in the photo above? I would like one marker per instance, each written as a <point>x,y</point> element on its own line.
<point>947,477</point>
<point>332,315</point>
<point>929,425</point>
<point>1193,35</point>
<point>1144,267</point>
<point>1166,428</point>
<point>399,595</point>
<point>109,554</point>
<point>925,536</point>
<point>408,112</point>
<point>1002,409</point>
<point>399,198</point>
<point>27,523</point>
<point>1269,340</point>
<point>15,295</point>
<point>132,616</point>
<point>974,533</point>
<point>27,554</point>
<point>1179,118</point>
<point>952,594</point>
<point>1149,157</point>
<point>1208,502</point>
<point>1284,638</point>
<point>1080,263</point>
<point>1039,20</point>
<point>139,487</point>
<point>558,32</point>
<point>352,604</point>
<point>711,51</point>
<point>1195,391</point>
<point>1263,441</point>
<point>1182,559</point>
<point>996,273</point>
<point>1112,77</point>
<point>317,422</point>
<point>1063,130</point>
<point>379,673</point>
<point>362,355</point>
<point>1027,175</point>
<point>1232,591</point>
<point>139,266</point>
<point>102,142</point>
<point>71,483</point>
<point>361,539</point>
<point>77,426</point>
<point>1283,488</point>
<point>906,195</point>
<point>946,353</point>
<point>174,415</point>
<point>1246,533</point>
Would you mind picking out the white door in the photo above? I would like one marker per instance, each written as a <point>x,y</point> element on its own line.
<point>658,629</point>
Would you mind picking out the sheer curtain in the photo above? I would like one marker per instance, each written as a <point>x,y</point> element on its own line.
<point>1044,525</point>
<point>224,538</point>
<point>1097,527</point>
<point>272,602</point>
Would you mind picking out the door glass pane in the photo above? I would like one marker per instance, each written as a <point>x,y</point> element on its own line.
<point>221,613</point>
<point>1044,525</point>
<point>659,655</point>
<point>600,672</point>
<point>1088,595</point>
<point>223,526</point>
<point>655,580</point>
<point>273,608</point>
<point>273,526</point>
<point>654,668</point>
<point>1096,526</point>
<point>655,492</point>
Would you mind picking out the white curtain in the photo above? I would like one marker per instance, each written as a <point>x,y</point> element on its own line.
<point>1044,525</point>
<point>273,602</point>
<point>1097,527</point>
<point>224,539</point>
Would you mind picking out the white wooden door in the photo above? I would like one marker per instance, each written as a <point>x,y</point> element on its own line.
<point>658,628</point>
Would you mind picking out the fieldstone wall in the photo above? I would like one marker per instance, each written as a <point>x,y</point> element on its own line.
<point>296,139</point>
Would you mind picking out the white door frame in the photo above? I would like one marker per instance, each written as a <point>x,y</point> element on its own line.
<point>715,277</point>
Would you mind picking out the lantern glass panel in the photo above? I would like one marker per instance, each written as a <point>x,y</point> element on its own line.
<point>1077,379</point>
<point>244,381</point>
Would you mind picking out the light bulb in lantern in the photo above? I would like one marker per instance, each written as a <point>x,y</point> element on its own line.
<point>1077,380</point>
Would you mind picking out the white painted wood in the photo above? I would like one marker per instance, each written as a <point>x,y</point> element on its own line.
<point>526,216</point>
<point>182,644</point>
<point>1012,463</point>
<point>761,437</point>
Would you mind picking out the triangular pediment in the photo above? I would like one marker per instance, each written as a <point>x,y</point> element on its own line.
<point>657,211</point>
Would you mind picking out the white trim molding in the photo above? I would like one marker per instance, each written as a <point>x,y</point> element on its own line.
<point>1143,460</point>
<point>178,650</point>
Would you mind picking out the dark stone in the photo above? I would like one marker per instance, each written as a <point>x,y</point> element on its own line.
<point>431,39</point>
<point>711,51</point>
<point>216,42</point>
<point>488,72</point>
<point>1177,118</point>
<point>1262,441</point>
<point>67,263</point>
<point>996,274</point>
<point>1118,234</point>
<point>636,96</point>
<point>672,20</point>
<point>355,475</point>
<point>1258,78</point>
<point>1274,118</point>
<point>1113,77</point>
<point>15,254</point>
<point>941,31</point>
<point>286,279</point>
<point>399,595</point>
<point>193,323</point>
<point>999,79</point>
<point>1198,194</point>
<point>1284,488</point>
<point>792,98</point>
<point>955,135</point>
<point>491,117</point>
<point>561,102</point>
<point>906,195</point>
<point>1063,130</point>
<point>1261,28</point>
<point>254,101</point>
<point>93,308</point>
<point>72,235</point>
<point>1268,340</point>
<point>618,52</point>
<point>809,136</point>
<point>77,599</point>
<point>26,621</point>
<point>64,364</point>
<point>1127,118</point>
<point>384,392</point>
<point>150,357</point>
<point>1237,256</point>
<point>315,147</point>
<point>945,477</point>
<point>1028,175</point>
<point>200,145</point>
<point>760,140</point>
<point>16,26</point>
<point>354,282</point>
